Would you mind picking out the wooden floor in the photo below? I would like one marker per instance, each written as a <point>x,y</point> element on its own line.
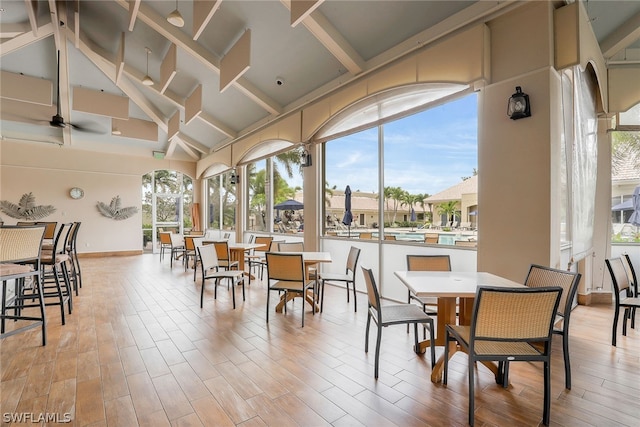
<point>138,350</point>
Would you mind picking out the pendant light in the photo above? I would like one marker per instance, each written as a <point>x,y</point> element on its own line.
<point>175,18</point>
<point>147,80</point>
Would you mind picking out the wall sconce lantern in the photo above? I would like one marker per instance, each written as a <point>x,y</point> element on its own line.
<point>235,178</point>
<point>519,106</point>
<point>305,159</point>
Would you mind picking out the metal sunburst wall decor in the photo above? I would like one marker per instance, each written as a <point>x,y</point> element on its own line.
<point>26,208</point>
<point>114,210</point>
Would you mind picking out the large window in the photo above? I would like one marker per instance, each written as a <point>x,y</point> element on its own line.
<point>167,197</point>
<point>275,193</point>
<point>221,202</point>
<point>426,153</point>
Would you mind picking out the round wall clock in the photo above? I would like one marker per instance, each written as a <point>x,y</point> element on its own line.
<point>76,193</point>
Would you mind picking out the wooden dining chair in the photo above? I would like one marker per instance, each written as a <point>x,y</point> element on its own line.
<point>540,276</point>
<point>393,314</point>
<point>623,295</point>
<point>508,325</point>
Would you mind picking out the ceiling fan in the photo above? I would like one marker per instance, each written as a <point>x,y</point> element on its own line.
<point>57,121</point>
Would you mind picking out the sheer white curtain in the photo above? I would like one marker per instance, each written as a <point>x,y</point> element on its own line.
<point>581,155</point>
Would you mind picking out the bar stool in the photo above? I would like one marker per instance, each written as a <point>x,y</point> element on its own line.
<point>55,266</point>
<point>19,260</point>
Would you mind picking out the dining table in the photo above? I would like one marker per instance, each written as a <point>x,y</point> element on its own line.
<point>450,287</point>
<point>310,259</point>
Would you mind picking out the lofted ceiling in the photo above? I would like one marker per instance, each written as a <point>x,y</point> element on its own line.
<point>269,65</point>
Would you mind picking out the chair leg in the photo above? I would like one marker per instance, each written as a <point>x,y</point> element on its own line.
<point>377,360</point>
<point>268,291</point>
<point>202,292</point>
<point>233,293</point>
<point>445,367</point>
<point>355,301</point>
<point>366,334</point>
<point>615,326</point>
<point>321,295</point>
<point>624,322</point>
<point>472,396</point>
<point>547,393</point>
<point>432,344</point>
<point>567,363</point>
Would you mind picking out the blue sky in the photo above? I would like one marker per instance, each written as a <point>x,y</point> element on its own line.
<point>424,153</point>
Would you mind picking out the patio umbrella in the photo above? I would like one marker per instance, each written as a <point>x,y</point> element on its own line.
<point>624,206</point>
<point>289,205</point>
<point>635,216</point>
<point>348,216</point>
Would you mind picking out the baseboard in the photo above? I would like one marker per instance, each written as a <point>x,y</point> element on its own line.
<point>108,254</point>
<point>595,298</point>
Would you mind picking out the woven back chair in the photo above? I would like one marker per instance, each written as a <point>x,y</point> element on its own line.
<point>348,277</point>
<point>540,276</point>
<point>427,263</point>
<point>177,247</point>
<point>256,258</point>
<point>466,243</point>
<point>285,273</point>
<point>49,229</point>
<point>210,267</point>
<point>55,263</point>
<point>189,251</point>
<point>508,325</point>
<point>165,243</point>
<point>19,259</point>
<point>623,295</point>
<point>393,314</point>
<point>291,247</point>
<point>431,238</point>
<point>224,256</point>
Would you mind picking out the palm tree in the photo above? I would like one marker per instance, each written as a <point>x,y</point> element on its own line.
<point>396,195</point>
<point>625,149</point>
<point>449,209</point>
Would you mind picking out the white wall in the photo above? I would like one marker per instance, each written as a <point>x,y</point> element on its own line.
<point>49,172</point>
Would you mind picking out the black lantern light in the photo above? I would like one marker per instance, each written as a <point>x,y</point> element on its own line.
<point>305,159</point>
<point>235,178</point>
<point>519,106</point>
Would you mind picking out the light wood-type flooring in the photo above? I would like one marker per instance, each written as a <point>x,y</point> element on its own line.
<point>139,350</point>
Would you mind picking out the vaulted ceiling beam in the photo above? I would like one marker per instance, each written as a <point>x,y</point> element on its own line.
<point>133,12</point>
<point>332,40</point>
<point>203,11</point>
<point>193,143</point>
<point>174,35</point>
<point>25,39</point>
<point>622,37</point>
<point>32,12</point>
